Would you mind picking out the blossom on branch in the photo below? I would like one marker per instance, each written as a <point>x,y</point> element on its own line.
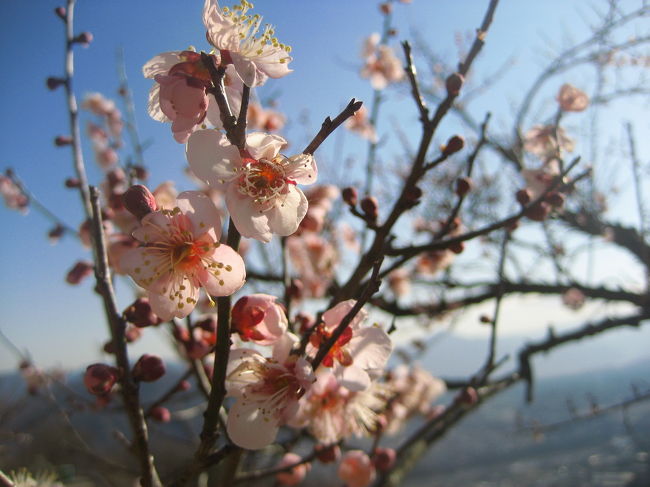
<point>180,254</point>
<point>258,318</point>
<point>381,66</point>
<point>260,183</point>
<point>267,391</point>
<point>255,55</point>
<point>571,99</point>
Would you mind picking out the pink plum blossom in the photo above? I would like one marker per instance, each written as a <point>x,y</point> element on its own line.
<point>314,257</point>
<point>267,391</point>
<point>538,180</point>
<point>259,182</point>
<point>359,354</point>
<point>13,195</point>
<point>179,94</point>
<point>571,99</point>
<point>181,253</point>
<point>258,318</point>
<point>255,55</point>
<point>546,141</point>
<point>356,469</point>
<point>360,124</point>
<point>382,67</point>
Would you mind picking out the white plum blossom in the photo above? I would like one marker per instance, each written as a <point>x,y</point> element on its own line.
<point>255,55</point>
<point>181,253</point>
<point>259,182</point>
<point>267,391</point>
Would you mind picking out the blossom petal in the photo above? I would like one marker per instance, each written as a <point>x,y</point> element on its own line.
<point>353,378</point>
<point>179,306</point>
<point>248,219</point>
<point>211,157</point>
<point>285,217</point>
<point>228,277</point>
<point>153,105</point>
<point>248,428</point>
<point>302,169</point>
<point>332,317</point>
<point>261,145</point>
<point>370,348</point>
<point>200,209</point>
<point>247,70</point>
<point>160,64</point>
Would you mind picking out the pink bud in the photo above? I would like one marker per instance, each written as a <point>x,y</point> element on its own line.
<point>72,183</point>
<point>384,459</point>
<point>370,207</point>
<point>85,38</point>
<point>350,196</point>
<point>184,386</point>
<point>463,186</point>
<point>55,234</point>
<point>524,196</point>
<point>60,12</point>
<point>356,469</point>
<point>454,83</point>
<point>140,314</point>
<point>139,201</point>
<point>99,379</point>
<point>468,396</point>
<point>295,475</point>
<point>160,414</point>
<point>79,272</point>
<point>148,368</point>
<point>327,454</point>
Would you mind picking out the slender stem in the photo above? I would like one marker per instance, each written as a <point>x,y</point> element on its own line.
<point>117,325</point>
<point>330,125</point>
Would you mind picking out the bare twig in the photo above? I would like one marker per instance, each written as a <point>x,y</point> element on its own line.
<point>330,125</point>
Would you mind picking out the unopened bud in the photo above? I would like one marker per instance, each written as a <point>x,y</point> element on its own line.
<point>327,454</point>
<point>160,414</point>
<point>209,324</point>
<point>79,272</point>
<point>385,8</point>
<point>140,173</point>
<point>148,368</point>
<point>524,196</point>
<point>53,82</point>
<point>413,194</point>
<point>62,140</point>
<point>383,459</point>
<point>184,385</point>
<point>539,212</point>
<point>60,12</point>
<point>457,247</point>
<point>132,333</point>
<point>485,319</point>
<point>468,396</point>
<point>350,195</point>
<point>555,199</point>
<point>454,83</point>
<point>56,233</point>
<point>454,144</point>
<point>140,314</point>
<point>463,186</point>
<point>72,183</point>
<point>109,348</point>
<point>99,379</point>
<point>370,207</point>
<point>139,201</point>
<point>296,290</point>
<point>85,38</point>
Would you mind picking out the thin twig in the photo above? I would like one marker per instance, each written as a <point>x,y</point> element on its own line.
<point>330,125</point>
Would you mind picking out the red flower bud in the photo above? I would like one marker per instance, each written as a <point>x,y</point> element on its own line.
<point>62,140</point>
<point>383,459</point>
<point>53,82</point>
<point>350,195</point>
<point>327,454</point>
<point>85,38</point>
<point>56,233</point>
<point>148,368</point>
<point>140,173</point>
<point>468,396</point>
<point>140,314</point>
<point>463,186</point>
<point>555,199</point>
<point>413,194</point>
<point>60,12</point>
<point>139,201</point>
<point>539,212</point>
<point>524,196</point>
<point>454,83</point>
<point>72,183</point>
<point>454,144</point>
<point>160,414</point>
<point>79,272</point>
<point>457,248</point>
<point>385,8</point>
<point>370,207</point>
<point>99,379</point>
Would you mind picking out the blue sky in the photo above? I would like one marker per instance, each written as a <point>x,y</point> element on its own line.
<point>61,324</point>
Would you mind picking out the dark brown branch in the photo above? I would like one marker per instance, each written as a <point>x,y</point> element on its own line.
<point>415,87</point>
<point>330,125</point>
<point>129,387</point>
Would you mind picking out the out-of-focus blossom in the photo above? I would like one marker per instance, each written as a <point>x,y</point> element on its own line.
<point>545,141</point>
<point>314,258</point>
<point>98,104</point>
<point>320,203</point>
<point>296,474</point>
<point>264,118</point>
<point>79,272</point>
<point>360,353</point>
<point>258,318</point>
<point>13,195</point>
<point>23,478</point>
<point>400,282</point>
<point>356,469</point>
<point>267,391</point>
<point>381,66</point>
<point>99,379</point>
<point>415,391</point>
<point>332,412</point>
<point>571,99</point>
<point>260,183</point>
<point>573,298</point>
<point>179,94</point>
<point>359,123</point>
<point>180,254</point>
<point>538,180</point>
<point>255,55</point>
